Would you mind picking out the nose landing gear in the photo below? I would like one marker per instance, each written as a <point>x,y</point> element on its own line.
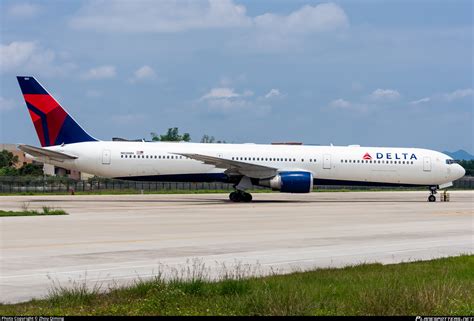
<point>433,191</point>
<point>240,196</point>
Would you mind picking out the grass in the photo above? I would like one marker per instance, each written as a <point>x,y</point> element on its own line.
<point>26,212</point>
<point>437,287</point>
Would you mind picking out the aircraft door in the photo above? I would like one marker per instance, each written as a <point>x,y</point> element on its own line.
<point>427,164</point>
<point>327,161</point>
<point>106,157</point>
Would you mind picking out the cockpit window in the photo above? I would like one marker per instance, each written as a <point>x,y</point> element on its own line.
<point>451,161</point>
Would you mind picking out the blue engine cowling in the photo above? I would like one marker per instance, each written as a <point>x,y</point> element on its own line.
<point>290,182</point>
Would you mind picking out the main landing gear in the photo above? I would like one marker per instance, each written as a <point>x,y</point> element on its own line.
<point>432,197</point>
<point>240,196</point>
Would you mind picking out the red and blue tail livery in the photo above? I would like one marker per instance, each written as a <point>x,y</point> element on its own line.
<point>53,124</point>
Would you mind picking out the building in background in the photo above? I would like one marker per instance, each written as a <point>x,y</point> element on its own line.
<point>22,159</point>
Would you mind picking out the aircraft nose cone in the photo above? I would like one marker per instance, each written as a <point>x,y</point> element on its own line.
<point>460,171</point>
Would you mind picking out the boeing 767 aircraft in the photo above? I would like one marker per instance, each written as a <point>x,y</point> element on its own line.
<point>287,168</point>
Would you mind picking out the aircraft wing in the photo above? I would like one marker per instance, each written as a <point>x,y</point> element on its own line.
<point>43,152</point>
<point>234,167</point>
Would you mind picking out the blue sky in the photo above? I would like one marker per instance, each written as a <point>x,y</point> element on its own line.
<point>391,73</point>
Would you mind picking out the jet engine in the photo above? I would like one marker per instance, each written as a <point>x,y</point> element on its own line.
<point>290,182</point>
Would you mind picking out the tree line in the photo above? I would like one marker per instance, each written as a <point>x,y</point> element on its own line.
<point>8,166</point>
<point>173,135</point>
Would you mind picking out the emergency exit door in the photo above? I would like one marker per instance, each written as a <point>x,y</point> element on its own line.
<point>427,164</point>
<point>106,157</point>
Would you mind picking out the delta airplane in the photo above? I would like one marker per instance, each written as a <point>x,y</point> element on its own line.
<point>286,168</point>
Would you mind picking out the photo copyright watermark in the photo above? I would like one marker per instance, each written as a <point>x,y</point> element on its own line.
<point>420,318</point>
<point>33,318</point>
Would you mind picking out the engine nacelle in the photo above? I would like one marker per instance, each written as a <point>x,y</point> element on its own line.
<point>290,182</point>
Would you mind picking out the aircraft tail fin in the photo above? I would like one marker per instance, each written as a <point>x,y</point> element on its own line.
<point>53,124</point>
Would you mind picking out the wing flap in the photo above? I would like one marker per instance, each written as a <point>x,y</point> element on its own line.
<point>43,152</point>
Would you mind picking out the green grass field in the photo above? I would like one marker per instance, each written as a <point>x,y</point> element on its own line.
<point>437,287</point>
<point>25,212</point>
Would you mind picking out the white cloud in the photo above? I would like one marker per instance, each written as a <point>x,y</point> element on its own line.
<point>6,104</point>
<point>384,95</point>
<point>101,72</point>
<point>458,94</point>
<point>226,100</point>
<point>178,16</point>
<point>23,10</point>
<point>159,16</point>
<point>343,104</point>
<point>143,73</point>
<point>220,93</point>
<point>307,19</point>
<point>420,101</point>
<point>273,93</point>
<point>340,103</point>
<point>29,57</point>
<point>445,97</point>
<point>15,54</point>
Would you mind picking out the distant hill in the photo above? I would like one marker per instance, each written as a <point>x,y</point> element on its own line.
<point>460,155</point>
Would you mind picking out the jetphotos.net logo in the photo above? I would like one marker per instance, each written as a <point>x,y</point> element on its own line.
<point>444,318</point>
<point>396,156</point>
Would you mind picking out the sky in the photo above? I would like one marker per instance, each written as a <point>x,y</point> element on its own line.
<point>374,73</point>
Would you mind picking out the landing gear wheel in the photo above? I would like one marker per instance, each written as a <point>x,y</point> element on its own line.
<point>246,197</point>
<point>433,191</point>
<point>235,197</point>
<point>239,196</point>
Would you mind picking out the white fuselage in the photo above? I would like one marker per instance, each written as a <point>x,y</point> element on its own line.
<point>160,161</point>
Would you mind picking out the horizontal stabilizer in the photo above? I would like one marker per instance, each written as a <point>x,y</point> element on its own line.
<point>43,152</point>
